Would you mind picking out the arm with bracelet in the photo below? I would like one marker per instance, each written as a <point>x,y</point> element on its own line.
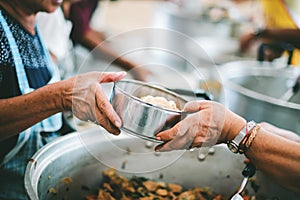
<point>211,123</point>
<point>275,155</point>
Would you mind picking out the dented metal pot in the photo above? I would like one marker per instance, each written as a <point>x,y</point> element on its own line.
<point>70,167</point>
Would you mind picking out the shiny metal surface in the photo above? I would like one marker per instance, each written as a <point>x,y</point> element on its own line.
<point>191,24</point>
<point>141,118</point>
<point>237,196</point>
<point>254,91</point>
<point>221,50</point>
<point>69,157</point>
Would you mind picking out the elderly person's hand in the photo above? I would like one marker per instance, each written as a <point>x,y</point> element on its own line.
<point>209,123</point>
<point>84,96</point>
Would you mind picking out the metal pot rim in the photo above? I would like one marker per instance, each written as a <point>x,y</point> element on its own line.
<point>34,169</point>
<point>62,145</point>
<point>228,71</point>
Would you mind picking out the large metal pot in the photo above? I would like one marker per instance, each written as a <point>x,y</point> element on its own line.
<point>70,167</point>
<point>192,23</point>
<point>253,90</point>
<point>220,50</point>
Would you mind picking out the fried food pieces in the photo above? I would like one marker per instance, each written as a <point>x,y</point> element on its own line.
<point>117,187</point>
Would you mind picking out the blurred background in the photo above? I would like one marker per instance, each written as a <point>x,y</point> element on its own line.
<point>206,33</point>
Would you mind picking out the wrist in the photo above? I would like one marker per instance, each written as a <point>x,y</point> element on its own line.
<point>124,63</point>
<point>64,95</point>
<point>242,142</point>
<point>236,124</point>
<point>52,97</point>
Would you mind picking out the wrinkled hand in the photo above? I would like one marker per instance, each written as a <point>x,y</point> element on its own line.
<point>210,123</point>
<point>84,96</point>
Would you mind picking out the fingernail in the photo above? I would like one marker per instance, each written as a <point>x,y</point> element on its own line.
<point>118,123</point>
<point>158,138</point>
<point>117,132</point>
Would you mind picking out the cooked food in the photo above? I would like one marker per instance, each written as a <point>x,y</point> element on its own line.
<point>67,180</point>
<point>52,190</point>
<point>160,102</point>
<point>117,187</point>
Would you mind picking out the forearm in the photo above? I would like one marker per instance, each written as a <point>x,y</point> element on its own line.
<point>92,41</point>
<point>277,157</point>
<point>20,113</point>
<point>281,132</point>
<point>284,35</point>
<point>272,151</point>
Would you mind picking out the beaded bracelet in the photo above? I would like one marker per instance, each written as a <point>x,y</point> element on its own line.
<point>248,139</point>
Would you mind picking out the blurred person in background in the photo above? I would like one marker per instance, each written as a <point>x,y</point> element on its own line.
<point>80,14</point>
<point>55,31</point>
<point>281,29</point>
<point>32,96</point>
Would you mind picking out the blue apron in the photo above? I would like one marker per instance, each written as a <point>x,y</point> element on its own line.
<point>51,124</point>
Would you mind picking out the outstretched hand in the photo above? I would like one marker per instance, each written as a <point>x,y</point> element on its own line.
<point>87,100</point>
<point>209,123</point>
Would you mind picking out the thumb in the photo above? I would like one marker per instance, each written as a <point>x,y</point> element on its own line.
<point>193,106</point>
<point>111,76</point>
<point>168,134</point>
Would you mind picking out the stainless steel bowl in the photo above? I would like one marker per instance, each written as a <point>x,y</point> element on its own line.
<point>140,118</point>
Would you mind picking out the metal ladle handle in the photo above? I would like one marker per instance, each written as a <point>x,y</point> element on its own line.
<point>198,93</point>
<point>277,47</point>
<point>248,171</point>
<point>291,91</point>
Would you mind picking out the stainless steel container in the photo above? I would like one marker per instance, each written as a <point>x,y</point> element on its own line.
<point>141,118</point>
<point>254,89</point>
<point>190,23</point>
<point>76,157</point>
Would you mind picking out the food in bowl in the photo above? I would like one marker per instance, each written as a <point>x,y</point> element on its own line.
<point>160,102</point>
<point>116,187</point>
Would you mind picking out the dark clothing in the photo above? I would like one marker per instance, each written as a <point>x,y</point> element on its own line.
<point>32,56</point>
<point>80,15</point>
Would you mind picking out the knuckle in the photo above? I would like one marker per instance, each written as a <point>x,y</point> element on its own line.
<point>101,104</point>
<point>101,121</point>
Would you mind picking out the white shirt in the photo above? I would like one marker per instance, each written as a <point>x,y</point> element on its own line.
<point>55,31</point>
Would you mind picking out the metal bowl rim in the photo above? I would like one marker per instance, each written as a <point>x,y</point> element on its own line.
<point>151,86</point>
<point>148,138</point>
